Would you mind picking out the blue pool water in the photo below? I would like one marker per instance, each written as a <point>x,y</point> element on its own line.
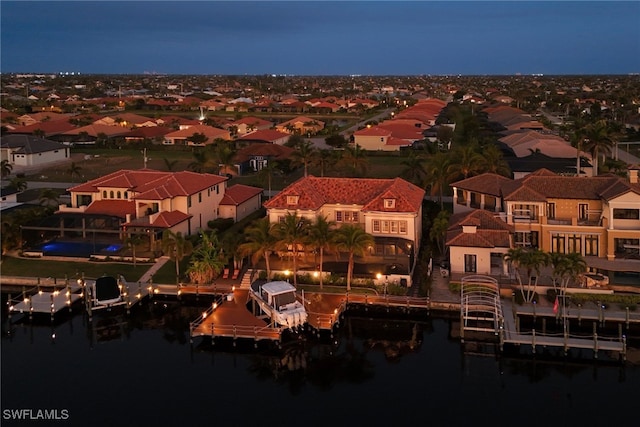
<point>77,249</point>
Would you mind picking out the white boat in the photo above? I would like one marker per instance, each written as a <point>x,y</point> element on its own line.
<point>278,300</point>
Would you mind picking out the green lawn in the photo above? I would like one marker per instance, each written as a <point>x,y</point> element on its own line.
<point>58,269</point>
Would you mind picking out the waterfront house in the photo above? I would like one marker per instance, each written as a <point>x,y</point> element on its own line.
<point>388,209</point>
<point>598,217</point>
<point>143,202</point>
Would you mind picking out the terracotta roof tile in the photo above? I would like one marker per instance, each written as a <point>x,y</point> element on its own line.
<point>314,192</point>
<point>118,208</point>
<point>238,194</point>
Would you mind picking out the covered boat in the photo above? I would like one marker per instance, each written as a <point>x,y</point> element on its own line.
<point>278,300</point>
<point>107,290</point>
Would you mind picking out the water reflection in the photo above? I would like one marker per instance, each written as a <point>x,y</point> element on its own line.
<point>371,362</point>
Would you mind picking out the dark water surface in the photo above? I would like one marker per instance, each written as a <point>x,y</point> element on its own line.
<point>142,371</point>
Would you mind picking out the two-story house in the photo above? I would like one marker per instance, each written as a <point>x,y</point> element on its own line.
<point>388,209</point>
<point>143,202</point>
<point>598,217</point>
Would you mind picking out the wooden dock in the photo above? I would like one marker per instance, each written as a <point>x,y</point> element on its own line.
<point>228,317</point>
<point>36,300</point>
<point>179,290</point>
<point>510,333</point>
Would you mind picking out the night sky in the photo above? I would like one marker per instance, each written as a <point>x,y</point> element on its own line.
<point>321,37</point>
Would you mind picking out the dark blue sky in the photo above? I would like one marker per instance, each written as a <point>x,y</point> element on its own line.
<point>322,37</point>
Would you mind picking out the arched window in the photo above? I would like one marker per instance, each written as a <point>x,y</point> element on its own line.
<point>104,194</point>
<point>126,195</point>
<point>111,194</point>
<point>119,195</point>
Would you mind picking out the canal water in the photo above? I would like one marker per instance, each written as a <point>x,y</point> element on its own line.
<point>142,370</point>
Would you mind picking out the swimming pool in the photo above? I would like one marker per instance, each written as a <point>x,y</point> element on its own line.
<point>77,249</point>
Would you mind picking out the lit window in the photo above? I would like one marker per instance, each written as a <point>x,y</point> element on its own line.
<point>292,200</point>
<point>389,203</point>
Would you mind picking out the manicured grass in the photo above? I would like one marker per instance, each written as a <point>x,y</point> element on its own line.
<point>166,275</point>
<point>26,267</point>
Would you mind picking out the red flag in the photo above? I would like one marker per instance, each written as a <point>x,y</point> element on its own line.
<point>555,306</point>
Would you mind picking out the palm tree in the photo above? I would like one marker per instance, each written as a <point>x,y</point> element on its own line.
<point>224,154</point>
<point>303,155</point>
<point>6,168</point>
<point>230,244</point>
<point>170,164</point>
<point>74,169</point>
<point>292,233</point>
<point>321,159</point>
<point>438,175</point>
<point>493,161</point>
<point>10,232</point>
<point>206,261</point>
<point>18,184</point>
<point>132,242</point>
<point>48,196</point>
<point>201,161</point>
<point>354,159</point>
<point>438,231</point>
<point>465,162</point>
<point>268,171</point>
<point>414,170</point>
<point>531,260</point>
<point>320,237</point>
<point>259,242</point>
<point>566,268</point>
<point>177,247</point>
<point>597,141</point>
<point>354,240</point>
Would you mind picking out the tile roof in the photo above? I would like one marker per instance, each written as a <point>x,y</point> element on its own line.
<point>49,128</point>
<point>544,184</point>
<point>118,208</point>
<point>270,135</point>
<point>166,219</point>
<point>153,185</point>
<point>490,231</point>
<point>238,194</point>
<point>487,183</point>
<point>209,131</point>
<point>314,192</point>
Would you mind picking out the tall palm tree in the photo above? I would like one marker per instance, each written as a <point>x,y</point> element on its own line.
<point>74,170</point>
<point>48,196</point>
<point>6,168</point>
<point>10,232</point>
<point>223,155</point>
<point>259,242</point>
<point>530,260</point>
<point>567,268</point>
<point>292,233</point>
<point>201,161</point>
<point>322,159</point>
<point>303,155</point>
<point>438,231</point>
<point>354,160</point>
<point>320,237</point>
<point>414,170</point>
<point>466,161</point>
<point>132,242</point>
<point>438,175</point>
<point>177,247</point>
<point>268,171</point>
<point>206,262</point>
<point>597,141</point>
<point>353,240</point>
<point>493,161</point>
